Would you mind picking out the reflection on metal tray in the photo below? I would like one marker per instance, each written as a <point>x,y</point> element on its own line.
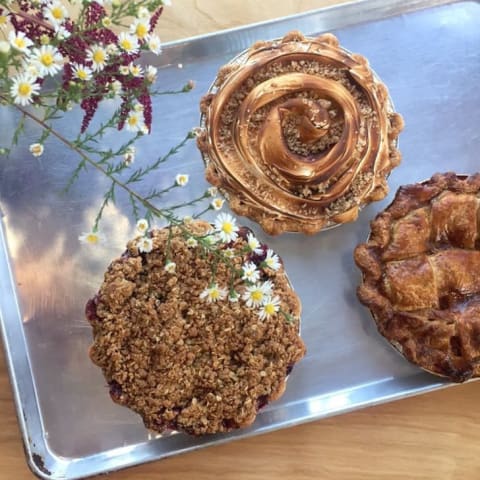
<point>425,51</point>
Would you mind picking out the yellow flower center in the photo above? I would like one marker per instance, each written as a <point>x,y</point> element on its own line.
<point>215,294</point>
<point>57,13</point>
<point>126,44</point>
<point>107,22</point>
<point>269,308</point>
<point>47,59</point>
<point>227,228</point>
<point>36,149</point>
<point>3,20</point>
<point>92,238</point>
<point>82,74</point>
<point>24,89</point>
<point>135,70</point>
<point>98,56</point>
<point>132,120</point>
<point>20,42</point>
<point>141,31</point>
<point>256,295</point>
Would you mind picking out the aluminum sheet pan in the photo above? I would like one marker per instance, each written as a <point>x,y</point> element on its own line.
<point>428,54</point>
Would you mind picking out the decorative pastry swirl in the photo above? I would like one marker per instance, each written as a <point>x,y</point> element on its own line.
<point>299,133</point>
<point>421,274</point>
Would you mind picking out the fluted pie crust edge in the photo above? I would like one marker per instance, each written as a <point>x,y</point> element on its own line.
<point>421,274</point>
<point>260,178</point>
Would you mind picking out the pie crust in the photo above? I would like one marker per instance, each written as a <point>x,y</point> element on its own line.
<point>181,362</point>
<point>299,134</point>
<point>421,274</point>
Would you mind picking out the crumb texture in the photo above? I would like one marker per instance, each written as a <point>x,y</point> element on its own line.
<point>179,361</point>
<point>421,274</point>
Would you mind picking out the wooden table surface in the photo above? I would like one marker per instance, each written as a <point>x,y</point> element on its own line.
<point>433,436</point>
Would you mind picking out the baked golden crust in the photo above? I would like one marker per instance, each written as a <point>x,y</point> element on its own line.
<point>181,362</point>
<point>421,274</point>
<point>299,134</point>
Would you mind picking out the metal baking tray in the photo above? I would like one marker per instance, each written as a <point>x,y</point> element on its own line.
<point>428,54</point>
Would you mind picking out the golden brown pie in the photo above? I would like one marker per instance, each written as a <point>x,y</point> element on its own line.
<point>299,134</point>
<point>421,274</point>
<point>180,361</point>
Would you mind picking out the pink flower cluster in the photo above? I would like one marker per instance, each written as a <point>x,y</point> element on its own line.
<point>75,45</point>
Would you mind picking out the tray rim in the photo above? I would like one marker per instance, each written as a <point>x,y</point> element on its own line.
<point>44,462</point>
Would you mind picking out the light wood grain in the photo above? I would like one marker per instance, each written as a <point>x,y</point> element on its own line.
<point>194,17</point>
<point>434,436</point>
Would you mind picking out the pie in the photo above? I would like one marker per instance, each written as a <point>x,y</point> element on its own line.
<point>179,361</point>
<point>299,134</point>
<point>421,274</point>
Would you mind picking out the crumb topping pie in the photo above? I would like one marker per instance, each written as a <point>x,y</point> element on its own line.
<point>421,274</point>
<point>299,134</point>
<point>182,362</point>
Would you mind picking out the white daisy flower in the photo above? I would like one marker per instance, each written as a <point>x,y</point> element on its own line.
<point>143,14</point>
<point>226,227</point>
<point>212,191</point>
<point>82,72</point>
<point>134,122</point>
<point>62,33</point>
<point>254,244</point>
<point>267,288</point>
<point>170,267</point>
<point>129,155</point>
<point>270,307</point>
<point>214,293</point>
<point>191,242</point>
<point>124,69</point>
<point>44,39</point>
<point>128,43</point>
<point>229,252</point>
<point>140,28</point>
<point>55,13</point>
<point>112,49</point>
<point>98,56</point>
<point>138,107</point>
<point>36,149</point>
<point>142,226</point>
<point>217,203</point>
<point>135,70</point>
<point>91,238</point>
<point>272,260</point>
<point>154,44</point>
<point>181,179</point>
<point>145,245</point>
<point>250,272</point>
<point>31,70</point>
<point>254,295</point>
<point>23,88</point>
<point>151,74</point>
<point>187,219</point>
<point>106,22</point>
<point>211,239</point>
<point>19,41</point>
<point>47,59</point>
<point>116,87</point>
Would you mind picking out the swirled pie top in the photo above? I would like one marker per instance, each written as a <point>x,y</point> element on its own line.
<point>421,274</point>
<point>299,133</point>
